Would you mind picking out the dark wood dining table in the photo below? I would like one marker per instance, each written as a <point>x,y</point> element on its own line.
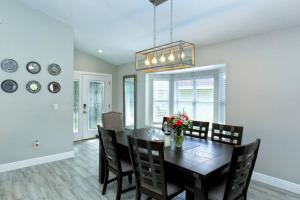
<point>191,166</point>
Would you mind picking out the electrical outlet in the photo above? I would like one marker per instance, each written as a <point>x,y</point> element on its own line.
<point>36,144</point>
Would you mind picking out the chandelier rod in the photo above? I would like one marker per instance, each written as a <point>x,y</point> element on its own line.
<point>154,28</point>
<point>171,23</point>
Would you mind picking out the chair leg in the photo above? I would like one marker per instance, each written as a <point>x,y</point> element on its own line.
<point>119,191</point>
<point>130,178</point>
<point>137,194</point>
<point>106,175</point>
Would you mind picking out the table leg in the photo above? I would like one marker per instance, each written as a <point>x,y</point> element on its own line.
<point>200,189</point>
<point>101,165</point>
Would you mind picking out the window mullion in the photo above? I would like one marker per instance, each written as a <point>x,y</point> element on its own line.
<point>194,98</point>
<point>171,96</point>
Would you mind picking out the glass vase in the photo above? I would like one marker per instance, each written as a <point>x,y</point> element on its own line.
<point>178,139</point>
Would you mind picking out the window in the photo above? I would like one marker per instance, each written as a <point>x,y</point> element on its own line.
<point>184,96</point>
<point>129,87</point>
<point>222,97</point>
<point>160,100</point>
<point>205,99</point>
<point>196,98</point>
<point>200,95</point>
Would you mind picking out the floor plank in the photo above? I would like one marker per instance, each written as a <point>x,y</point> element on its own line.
<point>77,179</point>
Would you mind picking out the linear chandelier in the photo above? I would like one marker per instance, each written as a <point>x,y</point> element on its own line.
<point>167,57</point>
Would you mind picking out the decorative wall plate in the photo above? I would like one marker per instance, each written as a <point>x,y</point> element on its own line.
<point>9,65</point>
<point>33,67</point>
<point>33,87</point>
<point>54,69</point>
<point>54,87</point>
<point>9,86</point>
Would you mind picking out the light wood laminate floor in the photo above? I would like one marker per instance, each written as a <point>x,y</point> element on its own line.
<point>77,179</point>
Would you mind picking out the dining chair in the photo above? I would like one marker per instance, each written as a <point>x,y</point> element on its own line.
<point>113,162</point>
<point>199,130</point>
<point>113,121</point>
<point>227,134</point>
<point>235,187</point>
<point>147,158</point>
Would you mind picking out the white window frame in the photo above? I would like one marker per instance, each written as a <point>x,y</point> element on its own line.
<point>184,76</point>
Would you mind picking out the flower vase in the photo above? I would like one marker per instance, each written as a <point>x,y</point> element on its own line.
<point>178,139</point>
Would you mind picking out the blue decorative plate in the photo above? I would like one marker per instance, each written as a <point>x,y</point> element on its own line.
<point>54,69</point>
<point>33,67</point>
<point>33,87</point>
<point>9,65</point>
<point>9,86</point>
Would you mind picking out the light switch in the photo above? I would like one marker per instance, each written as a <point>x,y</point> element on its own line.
<point>55,107</point>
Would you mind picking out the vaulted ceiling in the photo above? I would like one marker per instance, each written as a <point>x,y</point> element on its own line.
<point>122,27</point>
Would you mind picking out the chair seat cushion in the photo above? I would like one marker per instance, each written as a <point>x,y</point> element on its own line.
<point>217,190</point>
<point>126,166</point>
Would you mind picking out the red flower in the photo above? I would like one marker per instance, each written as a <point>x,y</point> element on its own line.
<point>179,123</point>
<point>172,117</point>
<point>172,126</point>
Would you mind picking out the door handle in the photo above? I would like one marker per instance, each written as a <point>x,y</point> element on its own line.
<point>84,108</point>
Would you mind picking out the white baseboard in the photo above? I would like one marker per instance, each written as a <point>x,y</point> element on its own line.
<point>276,182</point>
<point>35,161</point>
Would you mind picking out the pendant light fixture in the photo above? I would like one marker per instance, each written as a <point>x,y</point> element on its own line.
<point>171,56</point>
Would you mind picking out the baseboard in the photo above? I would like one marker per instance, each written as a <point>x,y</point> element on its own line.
<point>35,161</point>
<point>276,182</point>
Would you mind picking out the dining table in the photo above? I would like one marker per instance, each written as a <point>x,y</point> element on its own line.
<point>192,166</point>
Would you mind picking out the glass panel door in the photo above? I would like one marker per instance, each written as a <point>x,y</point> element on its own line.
<point>77,109</point>
<point>92,97</point>
<point>96,104</point>
<point>96,100</point>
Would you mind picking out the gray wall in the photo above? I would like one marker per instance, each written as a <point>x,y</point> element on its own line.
<point>89,63</point>
<point>263,95</point>
<point>27,35</point>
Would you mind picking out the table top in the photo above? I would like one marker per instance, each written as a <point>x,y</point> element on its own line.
<point>199,156</point>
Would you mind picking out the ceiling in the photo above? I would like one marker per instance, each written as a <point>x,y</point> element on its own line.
<point>122,27</point>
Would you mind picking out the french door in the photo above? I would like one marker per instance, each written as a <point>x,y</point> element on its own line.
<point>92,97</point>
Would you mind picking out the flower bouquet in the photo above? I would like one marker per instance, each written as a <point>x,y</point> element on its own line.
<point>178,123</point>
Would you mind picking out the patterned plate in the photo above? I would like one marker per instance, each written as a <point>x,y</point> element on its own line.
<point>9,86</point>
<point>33,67</point>
<point>33,87</point>
<point>54,69</point>
<point>54,87</point>
<point>9,65</point>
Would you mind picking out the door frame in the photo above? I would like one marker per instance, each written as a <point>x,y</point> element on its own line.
<point>79,75</point>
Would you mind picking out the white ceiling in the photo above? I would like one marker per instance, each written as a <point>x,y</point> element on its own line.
<point>122,27</point>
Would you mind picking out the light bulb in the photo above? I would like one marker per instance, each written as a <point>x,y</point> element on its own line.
<point>171,57</point>
<point>162,58</point>
<point>147,62</point>
<point>154,60</point>
<point>182,55</point>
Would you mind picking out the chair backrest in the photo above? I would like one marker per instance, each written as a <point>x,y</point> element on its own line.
<point>109,149</point>
<point>199,130</point>
<point>240,172</point>
<point>227,134</point>
<point>165,119</point>
<point>147,158</point>
<point>113,121</point>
